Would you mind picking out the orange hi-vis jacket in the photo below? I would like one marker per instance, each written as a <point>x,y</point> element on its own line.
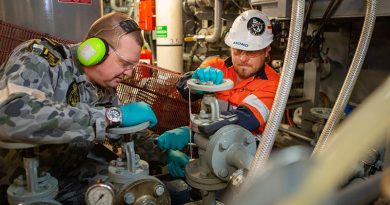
<point>251,98</point>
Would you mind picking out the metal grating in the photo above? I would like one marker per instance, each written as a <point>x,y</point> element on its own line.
<point>12,35</point>
<point>153,85</point>
<point>157,87</point>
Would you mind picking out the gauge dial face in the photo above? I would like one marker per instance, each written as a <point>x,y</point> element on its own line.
<point>99,194</point>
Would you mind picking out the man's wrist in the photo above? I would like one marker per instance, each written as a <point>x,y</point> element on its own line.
<point>113,117</point>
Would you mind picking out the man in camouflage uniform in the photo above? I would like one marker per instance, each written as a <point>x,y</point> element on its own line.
<point>48,98</point>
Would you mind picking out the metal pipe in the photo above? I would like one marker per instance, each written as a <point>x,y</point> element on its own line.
<point>361,193</point>
<point>279,105</point>
<point>350,80</point>
<point>117,8</point>
<point>130,157</point>
<point>297,135</point>
<point>31,166</point>
<point>214,37</point>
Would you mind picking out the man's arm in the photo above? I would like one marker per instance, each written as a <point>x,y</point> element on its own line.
<point>254,110</point>
<point>182,87</point>
<point>27,113</point>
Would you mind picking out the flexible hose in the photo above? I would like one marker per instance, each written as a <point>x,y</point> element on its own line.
<point>352,75</point>
<point>291,57</point>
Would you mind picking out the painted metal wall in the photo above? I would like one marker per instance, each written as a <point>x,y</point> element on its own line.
<point>70,20</point>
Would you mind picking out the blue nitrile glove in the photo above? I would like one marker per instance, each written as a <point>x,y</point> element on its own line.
<point>208,74</point>
<point>174,139</point>
<point>137,113</point>
<point>177,161</point>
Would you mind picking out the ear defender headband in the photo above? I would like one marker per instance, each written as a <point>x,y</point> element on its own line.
<point>94,50</point>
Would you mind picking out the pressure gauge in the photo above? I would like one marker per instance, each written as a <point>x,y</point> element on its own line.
<point>100,194</point>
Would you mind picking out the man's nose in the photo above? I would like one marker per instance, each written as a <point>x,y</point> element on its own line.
<point>244,57</point>
<point>128,72</point>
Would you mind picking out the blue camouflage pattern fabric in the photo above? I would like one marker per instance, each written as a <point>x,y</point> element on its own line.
<point>46,99</point>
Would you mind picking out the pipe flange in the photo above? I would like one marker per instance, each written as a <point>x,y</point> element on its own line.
<point>224,146</point>
<point>120,175</point>
<point>143,190</point>
<point>47,190</point>
<point>197,178</point>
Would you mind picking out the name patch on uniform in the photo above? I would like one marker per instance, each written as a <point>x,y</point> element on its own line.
<point>72,95</point>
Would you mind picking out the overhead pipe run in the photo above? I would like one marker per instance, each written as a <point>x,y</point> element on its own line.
<point>279,105</point>
<point>214,37</point>
<point>350,80</point>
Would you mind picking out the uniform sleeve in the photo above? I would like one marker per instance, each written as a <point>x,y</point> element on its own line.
<point>213,61</point>
<point>182,87</point>
<point>246,118</point>
<point>259,103</point>
<point>27,113</point>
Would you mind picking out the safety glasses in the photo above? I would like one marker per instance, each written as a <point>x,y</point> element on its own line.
<point>250,54</point>
<point>126,64</point>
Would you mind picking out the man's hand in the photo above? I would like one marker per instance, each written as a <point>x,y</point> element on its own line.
<point>208,74</point>
<point>174,139</point>
<point>137,113</point>
<point>177,161</point>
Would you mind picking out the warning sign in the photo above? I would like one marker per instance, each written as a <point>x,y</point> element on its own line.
<point>161,31</point>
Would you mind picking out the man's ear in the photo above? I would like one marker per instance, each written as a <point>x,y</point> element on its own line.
<point>267,50</point>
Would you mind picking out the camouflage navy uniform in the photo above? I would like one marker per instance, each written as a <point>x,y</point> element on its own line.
<point>46,99</point>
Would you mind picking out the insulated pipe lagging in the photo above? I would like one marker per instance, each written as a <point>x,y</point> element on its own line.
<point>278,107</point>
<point>350,80</point>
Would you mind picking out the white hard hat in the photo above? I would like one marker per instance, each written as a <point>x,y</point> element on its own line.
<point>251,31</point>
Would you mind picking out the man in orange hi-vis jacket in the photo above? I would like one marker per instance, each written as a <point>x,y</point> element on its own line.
<point>255,82</point>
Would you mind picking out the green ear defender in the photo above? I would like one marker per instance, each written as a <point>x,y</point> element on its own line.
<point>92,51</point>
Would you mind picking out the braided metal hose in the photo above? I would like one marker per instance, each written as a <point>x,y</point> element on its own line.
<point>350,80</point>
<point>291,57</point>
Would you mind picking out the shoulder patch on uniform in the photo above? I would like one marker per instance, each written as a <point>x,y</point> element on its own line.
<point>44,52</point>
<point>72,95</point>
<point>56,46</point>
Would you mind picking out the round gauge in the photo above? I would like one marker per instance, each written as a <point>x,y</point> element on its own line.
<point>99,194</point>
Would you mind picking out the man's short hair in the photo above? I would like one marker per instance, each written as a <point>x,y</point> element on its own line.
<point>107,27</point>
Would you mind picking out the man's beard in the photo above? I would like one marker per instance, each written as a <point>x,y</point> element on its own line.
<point>244,74</point>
